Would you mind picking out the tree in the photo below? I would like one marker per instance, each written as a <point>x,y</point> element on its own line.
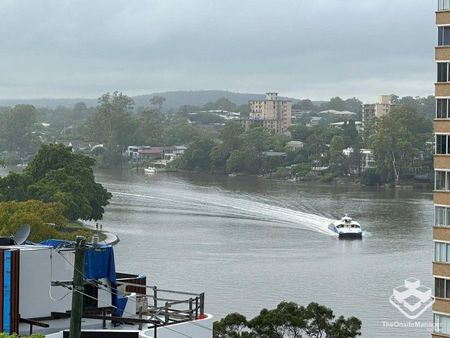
<point>353,105</point>
<point>158,101</point>
<point>300,132</point>
<point>178,130</point>
<point>16,126</point>
<point>56,174</point>
<point>197,156</point>
<point>336,156</point>
<point>248,157</point>
<point>230,137</point>
<point>232,326</point>
<point>307,105</point>
<point>336,103</point>
<point>288,320</point>
<point>398,139</point>
<point>112,124</point>
<point>221,104</point>
<point>35,213</point>
<point>150,128</point>
<point>79,111</point>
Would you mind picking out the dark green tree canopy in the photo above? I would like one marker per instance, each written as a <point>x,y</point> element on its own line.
<point>398,139</point>
<point>56,174</point>
<point>16,126</point>
<point>289,319</point>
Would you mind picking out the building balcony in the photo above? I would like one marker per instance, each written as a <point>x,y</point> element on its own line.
<point>443,17</point>
<point>442,53</point>
<point>442,89</point>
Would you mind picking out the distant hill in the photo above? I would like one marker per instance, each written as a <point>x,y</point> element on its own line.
<point>174,99</point>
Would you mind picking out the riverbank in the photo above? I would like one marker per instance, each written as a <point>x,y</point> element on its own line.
<point>317,180</point>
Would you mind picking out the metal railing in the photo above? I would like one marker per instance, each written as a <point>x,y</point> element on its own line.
<point>170,306</point>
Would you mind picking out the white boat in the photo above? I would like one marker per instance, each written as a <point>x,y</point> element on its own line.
<point>150,170</point>
<point>346,228</point>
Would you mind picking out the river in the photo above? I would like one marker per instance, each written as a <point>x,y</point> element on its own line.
<point>251,243</point>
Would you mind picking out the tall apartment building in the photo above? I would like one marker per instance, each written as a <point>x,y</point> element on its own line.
<point>372,110</point>
<point>271,113</point>
<point>441,192</point>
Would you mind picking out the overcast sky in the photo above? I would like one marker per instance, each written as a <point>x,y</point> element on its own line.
<point>300,48</point>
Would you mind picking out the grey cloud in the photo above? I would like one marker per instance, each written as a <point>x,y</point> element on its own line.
<point>62,48</point>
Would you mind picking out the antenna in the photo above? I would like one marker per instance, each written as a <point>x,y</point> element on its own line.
<point>22,234</point>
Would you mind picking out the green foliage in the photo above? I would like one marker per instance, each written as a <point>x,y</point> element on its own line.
<point>56,174</point>
<point>370,177</point>
<point>197,156</point>
<point>16,126</point>
<point>150,127</point>
<point>206,118</point>
<point>40,216</point>
<point>221,104</point>
<point>288,320</point>
<point>397,140</point>
<point>178,130</point>
<point>337,158</point>
<point>158,101</point>
<point>112,124</point>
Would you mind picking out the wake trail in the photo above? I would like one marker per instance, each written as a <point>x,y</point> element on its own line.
<point>223,205</point>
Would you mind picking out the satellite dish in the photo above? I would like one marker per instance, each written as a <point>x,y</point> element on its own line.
<point>22,234</point>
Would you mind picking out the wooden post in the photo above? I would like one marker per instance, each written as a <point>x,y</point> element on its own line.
<point>78,287</point>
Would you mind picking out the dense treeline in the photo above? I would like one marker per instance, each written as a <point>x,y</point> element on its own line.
<point>116,123</point>
<point>288,320</point>
<point>422,105</point>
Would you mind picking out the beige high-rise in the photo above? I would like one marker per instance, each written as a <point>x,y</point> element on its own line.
<point>271,113</point>
<point>441,192</point>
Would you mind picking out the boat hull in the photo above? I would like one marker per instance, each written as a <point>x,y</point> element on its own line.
<point>350,236</point>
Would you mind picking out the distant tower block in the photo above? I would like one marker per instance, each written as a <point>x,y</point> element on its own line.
<point>271,113</point>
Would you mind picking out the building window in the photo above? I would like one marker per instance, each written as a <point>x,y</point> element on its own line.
<point>441,324</point>
<point>442,144</point>
<point>443,5</point>
<point>442,216</point>
<point>442,108</point>
<point>441,252</point>
<point>439,287</point>
<point>442,72</point>
<point>441,180</point>
<point>443,35</point>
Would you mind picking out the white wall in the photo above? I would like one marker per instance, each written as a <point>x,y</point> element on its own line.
<point>37,270</point>
<point>198,329</point>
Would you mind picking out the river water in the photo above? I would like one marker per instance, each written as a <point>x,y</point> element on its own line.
<point>251,243</point>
